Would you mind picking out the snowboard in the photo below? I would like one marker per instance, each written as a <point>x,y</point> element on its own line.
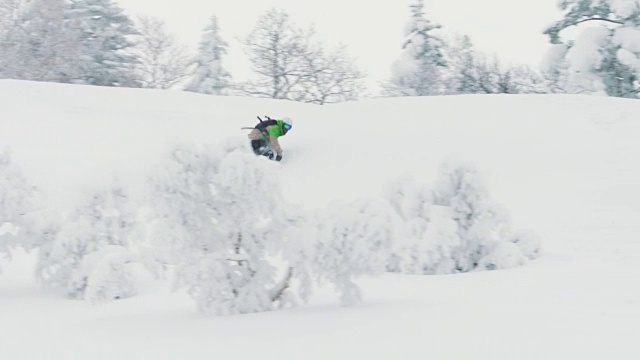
<point>266,151</point>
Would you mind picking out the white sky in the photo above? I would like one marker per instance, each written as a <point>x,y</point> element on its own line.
<point>372,30</point>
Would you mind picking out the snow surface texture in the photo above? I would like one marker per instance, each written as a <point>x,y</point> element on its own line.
<point>562,165</point>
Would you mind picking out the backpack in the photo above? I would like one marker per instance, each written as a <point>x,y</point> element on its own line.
<point>264,124</point>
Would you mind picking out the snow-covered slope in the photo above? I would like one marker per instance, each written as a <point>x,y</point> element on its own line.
<point>565,166</point>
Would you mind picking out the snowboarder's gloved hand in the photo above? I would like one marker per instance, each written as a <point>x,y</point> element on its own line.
<point>279,157</point>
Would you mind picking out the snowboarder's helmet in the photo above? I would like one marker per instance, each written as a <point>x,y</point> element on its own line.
<point>288,123</point>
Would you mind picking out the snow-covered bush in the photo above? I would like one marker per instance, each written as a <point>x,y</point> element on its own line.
<point>454,227</point>
<point>481,221</point>
<point>354,239</point>
<point>103,219</point>
<point>238,247</point>
<point>528,242</point>
<point>18,202</point>
<point>504,255</point>
<point>106,274</point>
<point>428,231</point>
<point>221,215</point>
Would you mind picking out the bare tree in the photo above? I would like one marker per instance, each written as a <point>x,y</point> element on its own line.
<point>275,48</point>
<point>471,72</point>
<point>288,64</point>
<point>333,78</point>
<point>494,77</point>
<point>164,62</point>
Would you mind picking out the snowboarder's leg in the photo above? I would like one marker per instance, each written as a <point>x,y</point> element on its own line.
<point>258,146</point>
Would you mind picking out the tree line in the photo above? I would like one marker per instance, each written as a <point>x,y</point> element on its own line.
<point>94,42</point>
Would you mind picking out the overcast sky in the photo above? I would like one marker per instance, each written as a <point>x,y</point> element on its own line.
<point>372,30</point>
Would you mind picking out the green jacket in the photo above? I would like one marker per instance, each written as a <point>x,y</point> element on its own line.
<point>276,130</point>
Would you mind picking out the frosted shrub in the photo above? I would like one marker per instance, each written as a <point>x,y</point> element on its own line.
<point>528,242</point>
<point>17,205</point>
<point>221,213</point>
<point>484,226</point>
<point>504,255</point>
<point>354,239</point>
<point>454,227</point>
<point>481,222</point>
<point>103,219</point>
<point>106,274</point>
<point>428,231</point>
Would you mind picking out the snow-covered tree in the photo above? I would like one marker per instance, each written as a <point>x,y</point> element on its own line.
<point>210,76</point>
<point>76,41</point>
<point>471,72</point>
<point>221,216</point>
<point>42,44</point>
<point>163,61</point>
<point>555,69</point>
<point>603,58</point>
<point>492,77</point>
<point>105,219</point>
<point>418,72</point>
<point>106,41</point>
<point>289,64</point>
<point>461,70</point>
<point>18,201</point>
<point>11,12</point>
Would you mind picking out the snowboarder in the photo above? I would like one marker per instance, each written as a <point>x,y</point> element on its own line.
<point>264,137</point>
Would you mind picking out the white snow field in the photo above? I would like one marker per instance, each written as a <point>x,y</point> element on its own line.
<point>565,166</point>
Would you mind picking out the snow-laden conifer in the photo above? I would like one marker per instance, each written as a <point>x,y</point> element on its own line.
<point>210,76</point>
<point>106,43</point>
<point>604,58</point>
<point>39,42</point>
<point>418,72</point>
